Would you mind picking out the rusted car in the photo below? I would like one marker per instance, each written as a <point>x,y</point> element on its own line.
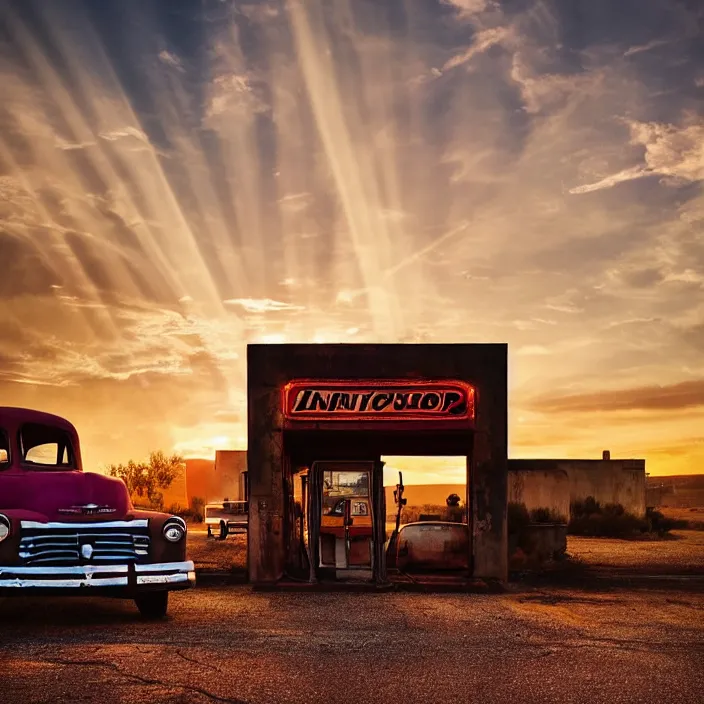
<point>431,546</point>
<point>65,531</point>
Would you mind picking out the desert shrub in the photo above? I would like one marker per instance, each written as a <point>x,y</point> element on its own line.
<point>613,510</point>
<point>546,515</point>
<point>583,508</point>
<point>412,514</point>
<point>193,514</point>
<point>517,517</point>
<point>661,524</point>
<point>589,518</point>
<point>198,509</point>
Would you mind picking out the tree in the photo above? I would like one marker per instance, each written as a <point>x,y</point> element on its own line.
<point>146,479</point>
<point>453,500</point>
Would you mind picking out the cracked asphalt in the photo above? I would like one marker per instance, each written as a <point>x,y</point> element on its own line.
<point>229,644</point>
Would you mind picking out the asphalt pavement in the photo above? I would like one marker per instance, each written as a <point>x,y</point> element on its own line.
<point>234,645</point>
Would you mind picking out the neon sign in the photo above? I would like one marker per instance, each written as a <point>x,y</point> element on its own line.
<point>319,400</point>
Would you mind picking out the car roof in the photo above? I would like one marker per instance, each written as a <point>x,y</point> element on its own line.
<point>10,415</point>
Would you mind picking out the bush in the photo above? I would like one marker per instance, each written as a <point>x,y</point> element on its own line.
<point>198,509</point>
<point>660,524</point>
<point>589,518</point>
<point>589,507</point>
<point>517,517</point>
<point>546,515</point>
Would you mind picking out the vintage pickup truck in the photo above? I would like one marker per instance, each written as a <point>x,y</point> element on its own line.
<point>65,531</point>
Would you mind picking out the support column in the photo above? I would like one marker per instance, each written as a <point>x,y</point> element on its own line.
<point>379,522</point>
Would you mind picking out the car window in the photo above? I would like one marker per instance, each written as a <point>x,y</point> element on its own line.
<point>4,449</point>
<point>46,445</point>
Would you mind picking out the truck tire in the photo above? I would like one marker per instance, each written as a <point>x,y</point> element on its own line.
<point>152,605</point>
<point>223,530</point>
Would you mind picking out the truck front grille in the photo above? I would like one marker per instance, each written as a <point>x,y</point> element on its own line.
<point>71,544</point>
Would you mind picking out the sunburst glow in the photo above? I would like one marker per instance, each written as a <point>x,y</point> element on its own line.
<point>178,179</point>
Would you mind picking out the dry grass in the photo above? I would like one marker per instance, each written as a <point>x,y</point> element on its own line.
<point>682,554</point>
<point>694,516</point>
<point>217,555</point>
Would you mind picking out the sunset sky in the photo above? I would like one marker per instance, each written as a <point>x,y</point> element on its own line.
<point>180,178</point>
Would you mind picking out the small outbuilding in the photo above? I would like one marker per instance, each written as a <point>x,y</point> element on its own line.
<point>320,418</point>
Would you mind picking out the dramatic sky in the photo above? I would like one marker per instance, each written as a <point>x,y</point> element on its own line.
<point>181,177</point>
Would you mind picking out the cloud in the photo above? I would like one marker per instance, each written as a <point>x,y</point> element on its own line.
<point>124,133</point>
<point>70,146</point>
<point>467,8</point>
<point>234,93</point>
<point>639,49</point>
<point>170,59</point>
<point>300,187</point>
<point>613,180</point>
<point>261,305</point>
<point>482,41</point>
<point>687,394</point>
<point>670,151</point>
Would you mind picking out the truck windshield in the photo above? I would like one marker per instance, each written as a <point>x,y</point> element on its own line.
<point>47,446</point>
<point>4,449</point>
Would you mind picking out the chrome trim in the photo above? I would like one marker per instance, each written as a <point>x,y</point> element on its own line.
<point>64,546</point>
<point>137,523</point>
<point>90,576</point>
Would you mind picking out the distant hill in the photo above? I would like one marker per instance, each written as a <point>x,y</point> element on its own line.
<point>421,494</point>
<point>678,491</point>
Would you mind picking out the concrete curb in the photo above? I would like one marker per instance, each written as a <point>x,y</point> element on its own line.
<point>221,578</point>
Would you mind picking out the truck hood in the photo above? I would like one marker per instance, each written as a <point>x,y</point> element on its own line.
<point>51,493</point>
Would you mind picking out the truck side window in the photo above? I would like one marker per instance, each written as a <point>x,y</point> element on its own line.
<point>45,445</point>
<point>4,448</point>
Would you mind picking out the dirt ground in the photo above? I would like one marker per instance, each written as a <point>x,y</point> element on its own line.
<point>695,516</point>
<point>210,554</point>
<point>232,645</point>
<point>681,553</point>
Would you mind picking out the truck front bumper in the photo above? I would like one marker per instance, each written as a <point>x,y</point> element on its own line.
<point>86,579</point>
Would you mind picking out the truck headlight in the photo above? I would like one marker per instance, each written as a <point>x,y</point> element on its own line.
<point>174,529</point>
<point>4,527</point>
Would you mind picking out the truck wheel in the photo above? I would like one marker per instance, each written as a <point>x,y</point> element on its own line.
<point>223,530</point>
<point>152,605</point>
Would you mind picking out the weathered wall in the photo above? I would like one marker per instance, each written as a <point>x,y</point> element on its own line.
<point>608,481</point>
<point>229,465</point>
<point>270,367</point>
<point>540,488</point>
<point>213,481</point>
